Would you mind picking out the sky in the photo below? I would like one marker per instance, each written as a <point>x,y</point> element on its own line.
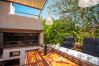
<point>30,12</point>
<point>33,11</point>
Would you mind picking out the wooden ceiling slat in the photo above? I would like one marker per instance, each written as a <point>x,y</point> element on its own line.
<point>31,3</point>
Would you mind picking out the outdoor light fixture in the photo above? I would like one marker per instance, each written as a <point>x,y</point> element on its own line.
<point>87,3</point>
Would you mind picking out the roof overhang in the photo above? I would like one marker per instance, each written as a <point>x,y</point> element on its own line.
<point>38,4</point>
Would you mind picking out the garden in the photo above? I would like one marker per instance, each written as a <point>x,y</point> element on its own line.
<point>76,22</point>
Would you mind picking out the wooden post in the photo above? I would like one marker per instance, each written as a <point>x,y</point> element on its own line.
<point>45,49</point>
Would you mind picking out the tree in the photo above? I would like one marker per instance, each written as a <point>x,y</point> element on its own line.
<point>55,33</point>
<point>69,9</point>
<point>74,21</point>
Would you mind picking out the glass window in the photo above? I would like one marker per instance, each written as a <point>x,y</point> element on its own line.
<point>25,11</point>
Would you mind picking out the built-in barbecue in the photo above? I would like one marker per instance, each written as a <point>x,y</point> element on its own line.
<point>20,39</point>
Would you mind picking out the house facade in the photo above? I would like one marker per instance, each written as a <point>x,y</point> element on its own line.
<point>18,34</point>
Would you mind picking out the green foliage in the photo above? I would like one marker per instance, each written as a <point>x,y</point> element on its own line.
<point>68,9</point>
<point>74,21</point>
<point>97,33</point>
<point>55,33</point>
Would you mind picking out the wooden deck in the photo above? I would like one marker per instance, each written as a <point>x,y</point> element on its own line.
<point>36,58</point>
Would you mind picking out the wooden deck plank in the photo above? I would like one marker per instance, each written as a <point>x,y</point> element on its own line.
<point>36,58</point>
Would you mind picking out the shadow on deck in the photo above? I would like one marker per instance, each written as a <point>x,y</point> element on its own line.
<point>36,58</point>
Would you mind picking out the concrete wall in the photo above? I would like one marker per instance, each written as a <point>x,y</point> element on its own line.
<point>12,21</point>
<point>19,22</point>
<point>4,8</point>
<point>80,55</point>
<point>41,38</point>
<point>21,56</point>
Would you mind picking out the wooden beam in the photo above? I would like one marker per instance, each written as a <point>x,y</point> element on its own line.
<point>20,30</point>
<point>38,4</point>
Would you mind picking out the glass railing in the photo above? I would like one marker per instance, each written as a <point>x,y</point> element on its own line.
<point>19,13</point>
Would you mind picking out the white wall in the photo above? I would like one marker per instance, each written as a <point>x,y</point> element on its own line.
<point>12,9</point>
<point>80,55</point>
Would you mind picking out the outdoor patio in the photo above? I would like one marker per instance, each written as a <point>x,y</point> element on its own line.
<point>36,58</point>
<point>49,32</point>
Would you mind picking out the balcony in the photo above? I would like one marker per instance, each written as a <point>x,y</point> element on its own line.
<point>37,58</point>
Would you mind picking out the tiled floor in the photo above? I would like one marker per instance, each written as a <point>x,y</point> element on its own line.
<point>36,58</point>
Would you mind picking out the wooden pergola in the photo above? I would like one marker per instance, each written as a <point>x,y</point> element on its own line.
<point>38,4</point>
